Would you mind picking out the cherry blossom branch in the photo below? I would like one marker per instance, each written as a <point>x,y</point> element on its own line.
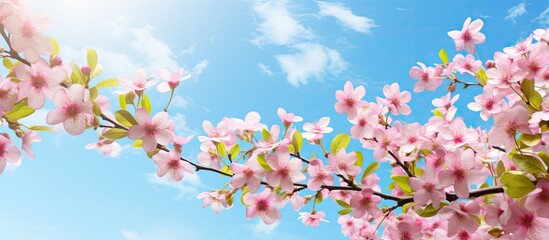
<point>398,162</point>
<point>13,54</point>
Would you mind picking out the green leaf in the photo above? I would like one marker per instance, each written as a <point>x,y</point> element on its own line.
<point>536,101</point>
<point>55,47</point>
<point>544,157</point>
<point>430,211</point>
<point>110,82</point>
<point>345,211</point>
<point>370,169</point>
<point>529,164</point>
<point>359,158</point>
<point>530,139</point>
<point>265,134</point>
<point>500,168</point>
<point>221,149</point>
<point>245,190</point>
<point>19,110</point>
<point>138,143</point>
<point>481,76</point>
<point>226,169</point>
<point>146,103</point>
<point>527,88</point>
<point>130,98</point>
<point>235,150</point>
<point>340,141</point>
<point>443,56</point>
<point>343,204</point>
<point>318,197</point>
<point>77,76</point>
<point>263,162</point>
<point>96,110</point>
<point>402,183</point>
<point>437,113</point>
<point>122,101</point>
<point>516,184</point>
<point>7,63</point>
<point>115,133</point>
<point>93,93</point>
<point>125,118</point>
<point>407,206</point>
<point>92,59</point>
<point>297,141</point>
<point>40,128</point>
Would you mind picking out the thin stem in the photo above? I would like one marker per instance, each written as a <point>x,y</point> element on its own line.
<point>169,101</point>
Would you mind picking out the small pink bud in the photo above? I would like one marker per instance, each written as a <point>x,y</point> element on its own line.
<point>452,87</point>
<point>86,70</point>
<point>57,61</point>
<point>490,64</point>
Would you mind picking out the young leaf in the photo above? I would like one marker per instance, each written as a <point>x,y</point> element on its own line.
<point>221,149</point>
<point>297,141</point>
<point>370,169</point>
<point>359,159</point>
<point>529,164</point>
<point>340,141</point>
<point>443,56</point>
<point>146,103</point>
<point>115,133</point>
<point>19,110</point>
<point>344,211</point>
<point>402,183</point>
<point>125,118</point>
<point>92,59</point>
<point>40,128</point>
<point>263,162</point>
<point>515,184</point>
<point>122,101</point>
<point>481,76</point>
<point>110,82</point>
<point>265,134</point>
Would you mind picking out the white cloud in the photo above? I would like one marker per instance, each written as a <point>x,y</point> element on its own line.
<point>346,17</point>
<point>515,12</point>
<point>163,232</point>
<point>400,9</point>
<point>157,52</point>
<point>265,69</point>
<point>262,229</point>
<point>200,67</point>
<point>187,188</point>
<point>181,126</point>
<point>189,50</point>
<point>37,118</point>
<point>277,24</point>
<point>179,102</point>
<point>131,235</point>
<point>543,18</point>
<point>311,61</point>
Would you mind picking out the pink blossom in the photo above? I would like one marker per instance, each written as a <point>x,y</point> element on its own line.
<point>405,230</point>
<point>520,47</point>
<point>468,36</point>
<point>506,73</point>
<point>152,131</point>
<point>271,142</point>
<point>487,103</point>
<point>365,202</point>
<point>315,131</point>
<point>250,174</point>
<point>216,134</point>
<point>262,204</point>
<point>216,199</point>
<point>312,219</point>
<point>429,77</point>
<point>460,216</point>
<point>105,146</point>
<point>461,172</point>
<point>527,225</point>
<point>386,140</point>
<point>39,81</point>
<point>8,152</point>
<point>171,79</point>
<point>507,125</point>
<point>467,64</point>
<point>396,100</point>
<point>538,199</point>
<point>8,95</point>
<point>209,155</point>
<point>498,212</point>
<point>139,83</point>
<point>28,138</point>
<point>170,163</point>
<point>246,128</point>
<point>364,122</point>
<point>295,200</point>
<point>413,137</point>
<point>179,141</point>
<point>319,175</point>
<point>343,163</point>
<point>73,109</point>
<point>288,118</point>
<point>350,99</point>
<point>456,134</point>
<point>444,103</point>
<point>285,171</point>
<point>26,34</point>
<point>427,189</point>
<point>536,63</point>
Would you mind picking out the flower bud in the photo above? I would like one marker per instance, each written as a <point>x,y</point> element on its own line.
<point>86,70</point>
<point>452,87</point>
<point>490,64</point>
<point>57,61</point>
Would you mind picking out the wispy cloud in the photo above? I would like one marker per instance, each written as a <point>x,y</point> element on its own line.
<point>164,233</point>
<point>179,102</point>
<point>346,17</point>
<point>277,25</point>
<point>515,11</point>
<point>400,9</point>
<point>187,188</point>
<point>262,229</point>
<point>310,61</point>
<point>181,125</point>
<point>543,18</point>
<point>199,68</point>
<point>189,50</point>
<point>265,69</point>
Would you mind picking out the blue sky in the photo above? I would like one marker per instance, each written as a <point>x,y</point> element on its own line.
<point>244,56</point>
